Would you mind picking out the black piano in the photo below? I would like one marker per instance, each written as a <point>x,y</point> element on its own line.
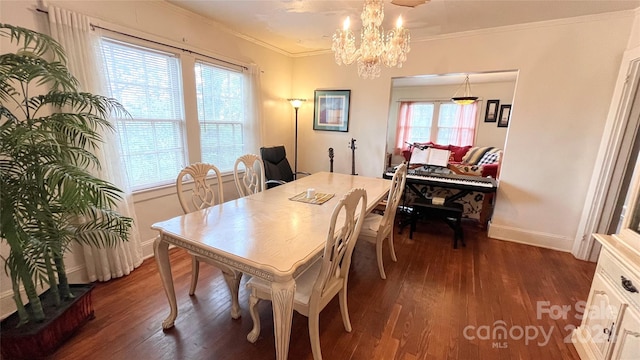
<point>465,184</point>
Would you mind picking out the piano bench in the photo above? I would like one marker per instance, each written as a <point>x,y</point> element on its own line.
<point>451,213</point>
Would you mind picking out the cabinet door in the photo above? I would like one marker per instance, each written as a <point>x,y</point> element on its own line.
<point>600,316</point>
<point>627,342</point>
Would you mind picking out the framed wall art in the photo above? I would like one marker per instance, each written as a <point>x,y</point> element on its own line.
<point>331,110</point>
<point>505,114</point>
<point>491,114</point>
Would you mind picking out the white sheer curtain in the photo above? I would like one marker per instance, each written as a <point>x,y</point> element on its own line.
<point>403,129</point>
<point>255,128</point>
<point>464,130</point>
<point>84,59</point>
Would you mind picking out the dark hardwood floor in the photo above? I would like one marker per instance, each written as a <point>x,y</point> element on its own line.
<point>437,303</point>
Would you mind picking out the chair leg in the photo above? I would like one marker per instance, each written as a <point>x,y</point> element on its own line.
<point>413,221</point>
<point>344,310</point>
<point>379,256</point>
<point>255,316</point>
<point>457,232</point>
<point>453,224</point>
<point>392,249</point>
<point>195,270</point>
<point>314,335</point>
<point>232,278</point>
<point>461,232</point>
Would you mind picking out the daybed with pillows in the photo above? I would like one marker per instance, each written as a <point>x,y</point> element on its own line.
<point>465,160</point>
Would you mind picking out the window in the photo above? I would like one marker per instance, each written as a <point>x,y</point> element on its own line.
<point>220,114</point>
<point>148,84</point>
<point>433,121</point>
<point>158,139</point>
<point>421,122</point>
<point>447,123</point>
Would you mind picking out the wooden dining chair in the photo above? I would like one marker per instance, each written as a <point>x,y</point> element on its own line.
<point>201,194</point>
<point>376,228</point>
<point>326,278</point>
<point>248,173</point>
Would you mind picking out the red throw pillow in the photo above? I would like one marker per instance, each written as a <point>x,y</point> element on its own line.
<point>457,152</point>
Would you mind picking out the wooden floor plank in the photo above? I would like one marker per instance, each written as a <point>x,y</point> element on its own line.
<point>433,305</point>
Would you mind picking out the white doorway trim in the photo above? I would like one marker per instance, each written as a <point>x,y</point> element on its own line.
<point>605,181</point>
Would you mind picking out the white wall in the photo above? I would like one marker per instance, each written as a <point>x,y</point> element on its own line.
<point>171,25</point>
<point>567,70</point>
<point>487,133</point>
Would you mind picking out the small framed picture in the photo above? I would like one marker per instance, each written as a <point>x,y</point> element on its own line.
<point>331,110</point>
<point>505,114</point>
<point>491,115</point>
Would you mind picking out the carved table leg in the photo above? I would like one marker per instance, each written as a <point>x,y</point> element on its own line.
<point>161,251</point>
<point>282,303</point>
<point>232,278</point>
<point>255,316</point>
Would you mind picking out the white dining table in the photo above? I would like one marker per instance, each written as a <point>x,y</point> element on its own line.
<point>265,235</point>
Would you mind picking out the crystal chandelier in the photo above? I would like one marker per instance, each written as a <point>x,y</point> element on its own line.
<point>375,48</point>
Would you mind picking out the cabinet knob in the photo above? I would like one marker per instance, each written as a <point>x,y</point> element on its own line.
<point>628,285</point>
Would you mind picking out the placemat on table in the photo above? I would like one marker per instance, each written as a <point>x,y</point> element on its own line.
<point>320,198</point>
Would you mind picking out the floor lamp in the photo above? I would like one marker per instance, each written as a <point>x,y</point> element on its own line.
<point>296,103</point>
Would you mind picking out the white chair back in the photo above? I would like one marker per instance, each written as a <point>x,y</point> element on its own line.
<point>393,200</point>
<point>204,192</point>
<point>248,173</point>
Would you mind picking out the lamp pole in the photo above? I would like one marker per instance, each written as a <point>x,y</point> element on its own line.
<point>296,103</point>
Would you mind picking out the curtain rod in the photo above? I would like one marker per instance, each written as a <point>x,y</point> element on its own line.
<point>429,100</point>
<point>93,27</point>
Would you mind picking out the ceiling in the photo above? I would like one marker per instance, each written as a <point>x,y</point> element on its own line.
<point>299,27</point>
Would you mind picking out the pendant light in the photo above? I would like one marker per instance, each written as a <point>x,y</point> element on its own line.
<point>466,98</point>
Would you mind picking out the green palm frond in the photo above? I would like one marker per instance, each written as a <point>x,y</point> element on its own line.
<point>76,189</point>
<point>39,44</point>
<point>104,228</point>
<point>80,131</point>
<point>27,67</point>
<point>81,102</point>
<point>6,90</point>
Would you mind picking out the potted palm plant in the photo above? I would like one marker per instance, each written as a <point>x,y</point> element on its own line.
<point>48,195</point>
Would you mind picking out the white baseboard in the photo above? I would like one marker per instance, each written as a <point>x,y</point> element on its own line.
<point>534,238</point>
<point>147,248</point>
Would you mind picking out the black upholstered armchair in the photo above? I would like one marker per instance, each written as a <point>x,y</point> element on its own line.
<point>276,166</point>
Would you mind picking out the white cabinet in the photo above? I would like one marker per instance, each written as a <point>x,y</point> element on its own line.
<point>610,327</point>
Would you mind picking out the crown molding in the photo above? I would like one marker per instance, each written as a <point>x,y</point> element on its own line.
<point>535,25</point>
<point>221,27</point>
